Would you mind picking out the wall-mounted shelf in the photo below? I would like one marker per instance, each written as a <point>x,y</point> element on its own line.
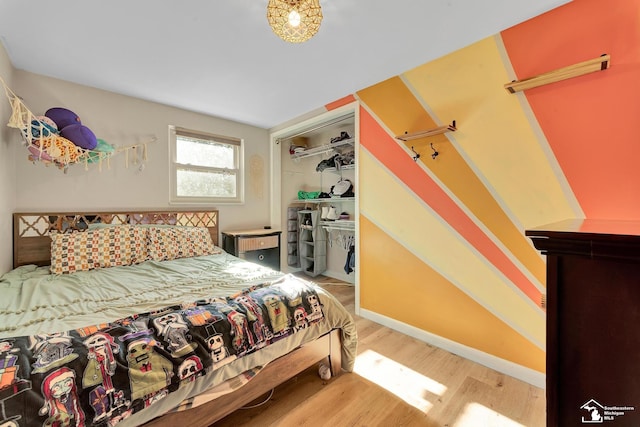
<point>322,149</point>
<point>426,133</point>
<point>597,64</point>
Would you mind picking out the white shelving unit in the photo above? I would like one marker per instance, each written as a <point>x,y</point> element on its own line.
<point>339,224</point>
<point>322,149</point>
<point>342,168</point>
<point>325,200</point>
<point>312,244</point>
<point>311,169</point>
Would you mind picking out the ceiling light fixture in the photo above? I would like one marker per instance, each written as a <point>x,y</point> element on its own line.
<point>294,21</point>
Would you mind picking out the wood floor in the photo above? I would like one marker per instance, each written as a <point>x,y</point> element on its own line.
<point>398,381</point>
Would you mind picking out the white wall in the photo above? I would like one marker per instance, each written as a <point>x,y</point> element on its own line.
<point>122,120</point>
<point>8,141</point>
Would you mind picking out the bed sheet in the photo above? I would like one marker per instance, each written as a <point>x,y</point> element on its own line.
<point>36,303</point>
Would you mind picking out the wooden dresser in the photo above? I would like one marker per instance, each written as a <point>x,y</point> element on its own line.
<point>593,321</point>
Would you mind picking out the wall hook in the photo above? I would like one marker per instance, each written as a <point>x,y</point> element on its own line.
<point>435,153</point>
<point>416,155</point>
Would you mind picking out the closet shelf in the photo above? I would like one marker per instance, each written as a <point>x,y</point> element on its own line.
<point>597,64</point>
<point>322,149</point>
<point>325,200</point>
<point>339,224</point>
<point>426,133</point>
<point>342,168</point>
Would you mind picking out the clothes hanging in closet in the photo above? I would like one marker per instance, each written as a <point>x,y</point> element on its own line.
<point>351,259</point>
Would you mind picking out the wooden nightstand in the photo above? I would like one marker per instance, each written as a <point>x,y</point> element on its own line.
<point>261,246</point>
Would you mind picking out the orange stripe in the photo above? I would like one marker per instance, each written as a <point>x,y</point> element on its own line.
<point>340,102</point>
<point>591,122</point>
<point>396,106</point>
<point>387,151</point>
<point>424,299</point>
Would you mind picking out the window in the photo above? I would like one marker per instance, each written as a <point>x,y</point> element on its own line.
<point>205,167</point>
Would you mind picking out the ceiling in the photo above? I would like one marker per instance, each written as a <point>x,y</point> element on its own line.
<point>219,57</point>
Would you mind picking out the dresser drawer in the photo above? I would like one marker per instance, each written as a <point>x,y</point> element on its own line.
<point>259,246</point>
<point>246,244</point>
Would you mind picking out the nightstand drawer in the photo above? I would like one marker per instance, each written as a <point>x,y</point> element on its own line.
<point>267,257</point>
<point>246,244</point>
<point>259,246</point>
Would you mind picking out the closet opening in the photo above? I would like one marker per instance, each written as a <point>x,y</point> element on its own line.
<point>318,195</point>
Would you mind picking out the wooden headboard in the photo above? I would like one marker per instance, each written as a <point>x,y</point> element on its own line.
<point>31,230</point>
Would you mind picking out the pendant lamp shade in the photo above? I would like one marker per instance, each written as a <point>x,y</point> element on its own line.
<point>294,21</point>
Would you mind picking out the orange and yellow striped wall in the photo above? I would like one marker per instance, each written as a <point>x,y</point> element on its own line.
<point>443,253</point>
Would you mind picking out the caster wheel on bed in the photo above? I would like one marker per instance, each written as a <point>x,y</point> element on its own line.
<point>324,372</point>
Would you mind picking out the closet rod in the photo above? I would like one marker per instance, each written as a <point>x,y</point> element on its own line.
<point>319,126</point>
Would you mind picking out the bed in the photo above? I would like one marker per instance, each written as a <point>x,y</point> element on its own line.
<point>139,317</point>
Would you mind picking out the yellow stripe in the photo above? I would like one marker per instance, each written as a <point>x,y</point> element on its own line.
<point>393,103</point>
<point>495,133</point>
<point>387,202</point>
<point>398,285</point>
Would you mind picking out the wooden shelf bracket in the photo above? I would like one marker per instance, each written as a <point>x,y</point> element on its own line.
<point>597,64</point>
<point>426,133</point>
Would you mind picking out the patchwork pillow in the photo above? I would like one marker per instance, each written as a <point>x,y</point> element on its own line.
<point>98,225</point>
<point>167,243</point>
<point>100,248</point>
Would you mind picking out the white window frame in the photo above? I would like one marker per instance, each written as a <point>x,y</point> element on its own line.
<point>174,166</point>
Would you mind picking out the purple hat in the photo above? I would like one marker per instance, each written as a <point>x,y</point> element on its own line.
<point>62,117</point>
<point>80,135</point>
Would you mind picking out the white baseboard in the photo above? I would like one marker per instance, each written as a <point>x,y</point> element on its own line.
<point>522,373</point>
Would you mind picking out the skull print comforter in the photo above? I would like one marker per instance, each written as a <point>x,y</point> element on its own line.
<point>120,346</point>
